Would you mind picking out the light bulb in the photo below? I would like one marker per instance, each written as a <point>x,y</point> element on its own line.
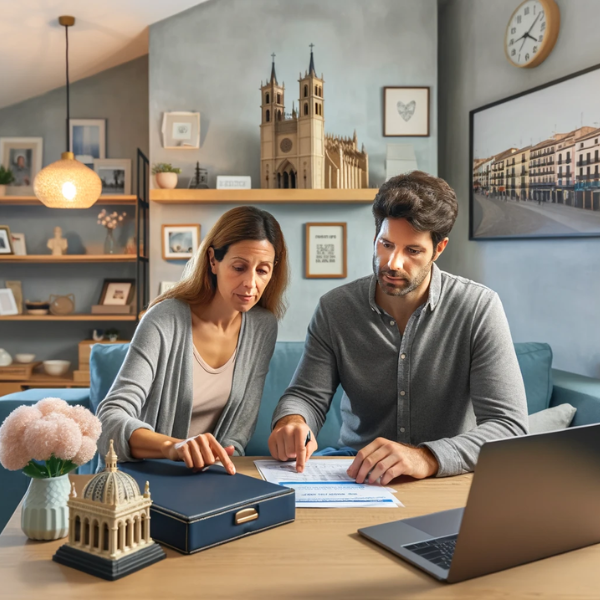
<point>69,190</point>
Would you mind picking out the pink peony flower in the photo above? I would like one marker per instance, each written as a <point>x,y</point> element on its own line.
<point>53,434</point>
<point>53,405</point>
<point>14,454</point>
<point>88,423</point>
<point>86,451</point>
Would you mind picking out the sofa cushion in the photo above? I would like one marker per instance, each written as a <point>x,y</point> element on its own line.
<point>551,419</point>
<point>535,361</point>
<point>105,363</point>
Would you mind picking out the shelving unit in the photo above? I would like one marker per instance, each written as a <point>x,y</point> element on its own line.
<point>74,317</point>
<point>41,380</point>
<point>33,201</point>
<point>69,258</point>
<point>285,196</point>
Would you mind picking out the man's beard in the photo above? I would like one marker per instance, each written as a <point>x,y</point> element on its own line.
<point>404,287</point>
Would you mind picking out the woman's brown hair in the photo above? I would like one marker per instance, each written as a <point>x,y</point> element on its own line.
<point>199,284</point>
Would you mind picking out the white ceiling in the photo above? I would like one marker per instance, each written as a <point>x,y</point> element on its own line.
<point>106,33</point>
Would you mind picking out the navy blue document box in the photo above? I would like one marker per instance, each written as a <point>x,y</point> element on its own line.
<point>195,511</point>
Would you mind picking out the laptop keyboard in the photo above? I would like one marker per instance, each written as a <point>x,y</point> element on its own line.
<point>439,551</point>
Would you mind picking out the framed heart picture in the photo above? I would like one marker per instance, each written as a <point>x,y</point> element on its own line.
<point>406,111</point>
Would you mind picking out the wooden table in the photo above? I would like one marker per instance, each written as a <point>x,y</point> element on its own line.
<point>319,556</point>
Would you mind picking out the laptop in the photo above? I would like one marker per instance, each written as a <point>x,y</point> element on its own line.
<point>531,497</point>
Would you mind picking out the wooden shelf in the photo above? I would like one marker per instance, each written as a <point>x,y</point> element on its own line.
<point>32,200</point>
<point>358,196</point>
<point>68,258</point>
<point>75,317</point>
<point>39,378</point>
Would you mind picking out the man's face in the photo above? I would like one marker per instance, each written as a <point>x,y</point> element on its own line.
<point>20,162</point>
<point>403,257</point>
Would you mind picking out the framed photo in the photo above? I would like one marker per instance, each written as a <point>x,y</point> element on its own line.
<point>180,241</point>
<point>8,306</point>
<point>117,292</point>
<point>326,250</point>
<point>6,246</point>
<point>88,139</point>
<point>406,111</point>
<point>181,130</point>
<point>115,174</point>
<point>23,156</point>
<point>535,162</point>
<point>18,244</point>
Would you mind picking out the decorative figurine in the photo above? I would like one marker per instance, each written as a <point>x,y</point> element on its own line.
<point>109,526</point>
<point>200,179</point>
<point>58,244</point>
<point>295,151</point>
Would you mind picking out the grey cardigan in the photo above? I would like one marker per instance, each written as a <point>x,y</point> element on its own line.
<point>153,389</point>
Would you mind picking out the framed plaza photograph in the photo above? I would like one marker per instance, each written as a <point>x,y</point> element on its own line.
<point>326,251</point>
<point>406,111</point>
<point>18,244</point>
<point>534,162</point>
<point>8,306</point>
<point>180,242</point>
<point>6,246</point>
<point>181,130</point>
<point>23,156</point>
<point>115,174</point>
<point>88,140</point>
<point>117,292</point>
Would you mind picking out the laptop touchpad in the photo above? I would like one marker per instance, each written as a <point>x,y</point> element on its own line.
<point>437,524</point>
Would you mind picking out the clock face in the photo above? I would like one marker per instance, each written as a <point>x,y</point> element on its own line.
<point>526,32</point>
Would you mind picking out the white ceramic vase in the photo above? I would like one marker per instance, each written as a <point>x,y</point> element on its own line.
<point>167,181</point>
<point>5,358</point>
<point>45,514</point>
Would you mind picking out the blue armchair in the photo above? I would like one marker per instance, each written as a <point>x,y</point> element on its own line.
<point>545,387</point>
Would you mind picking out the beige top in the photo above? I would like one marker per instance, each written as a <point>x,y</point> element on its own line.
<point>212,388</point>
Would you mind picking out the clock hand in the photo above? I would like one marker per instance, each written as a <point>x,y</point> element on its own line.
<point>539,14</point>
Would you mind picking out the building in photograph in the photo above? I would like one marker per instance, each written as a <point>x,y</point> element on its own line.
<point>481,174</point>
<point>498,172</point>
<point>519,178</point>
<point>587,179</point>
<point>565,165</point>
<point>542,179</point>
<point>295,152</point>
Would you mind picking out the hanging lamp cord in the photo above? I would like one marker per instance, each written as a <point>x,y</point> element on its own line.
<point>68,98</point>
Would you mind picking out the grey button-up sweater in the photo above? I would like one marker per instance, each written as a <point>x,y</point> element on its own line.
<point>153,389</point>
<point>450,383</point>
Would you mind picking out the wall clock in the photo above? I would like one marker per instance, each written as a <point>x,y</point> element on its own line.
<point>531,32</point>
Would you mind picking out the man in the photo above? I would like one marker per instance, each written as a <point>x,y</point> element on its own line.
<point>21,171</point>
<point>425,358</point>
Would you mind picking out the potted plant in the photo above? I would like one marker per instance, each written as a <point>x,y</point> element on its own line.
<point>47,441</point>
<point>6,178</point>
<point>112,334</point>
<point>166,175</point>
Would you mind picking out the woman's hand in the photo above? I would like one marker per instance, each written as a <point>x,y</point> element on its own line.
<point>199,452</point>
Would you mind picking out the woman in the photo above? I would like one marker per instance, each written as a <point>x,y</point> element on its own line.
<point>191,383</point>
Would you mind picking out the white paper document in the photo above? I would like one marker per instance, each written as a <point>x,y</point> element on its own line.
<point>326,484</point>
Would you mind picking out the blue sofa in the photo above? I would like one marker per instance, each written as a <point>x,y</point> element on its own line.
<point>544,386</point>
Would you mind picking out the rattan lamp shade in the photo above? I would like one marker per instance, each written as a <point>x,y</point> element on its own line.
<point>67,183</point>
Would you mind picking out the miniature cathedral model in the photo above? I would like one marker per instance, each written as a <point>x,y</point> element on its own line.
<point>109,526</point>
<point>295,152</point>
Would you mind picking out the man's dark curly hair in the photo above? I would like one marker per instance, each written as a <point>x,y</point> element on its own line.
<point>428,203</point>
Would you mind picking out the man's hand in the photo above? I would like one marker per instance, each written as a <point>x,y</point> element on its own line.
<point>388,460</point>
<point>287,441</point>
<point>199,452</point>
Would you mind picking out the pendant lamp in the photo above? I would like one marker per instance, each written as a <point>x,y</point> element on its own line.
<point>67,183</point>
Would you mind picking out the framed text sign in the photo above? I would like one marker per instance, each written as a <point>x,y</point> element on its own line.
<point>326,250</point>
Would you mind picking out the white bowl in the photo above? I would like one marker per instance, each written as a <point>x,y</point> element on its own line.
<point>24,358</point>
<point>56,367</point>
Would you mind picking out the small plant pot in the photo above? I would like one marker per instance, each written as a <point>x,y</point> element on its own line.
<point>45,514</point>
<point>167,181</point>
<point>2,190</point>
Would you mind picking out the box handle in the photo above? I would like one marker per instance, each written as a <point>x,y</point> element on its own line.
<point>243,516</point>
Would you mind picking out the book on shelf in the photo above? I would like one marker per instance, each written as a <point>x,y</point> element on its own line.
<point>111,309</point>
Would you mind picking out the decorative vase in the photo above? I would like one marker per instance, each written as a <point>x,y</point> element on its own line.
<point>45,514</point>
<point>109,242</point>
<point>5,358</point>
<point>2,190</point>
<point>167,181</point>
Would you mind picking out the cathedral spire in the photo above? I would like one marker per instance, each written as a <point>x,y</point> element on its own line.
<point>273,76</point>
<point>311,66</point>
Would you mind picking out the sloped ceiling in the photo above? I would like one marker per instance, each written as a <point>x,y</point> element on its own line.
<point>106,33</point>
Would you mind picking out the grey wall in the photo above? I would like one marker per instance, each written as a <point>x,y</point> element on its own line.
<point>119,95</point>
<point>212,58</point>
<point>549,288</point>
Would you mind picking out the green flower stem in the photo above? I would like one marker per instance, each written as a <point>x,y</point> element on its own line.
<point>53,467</point>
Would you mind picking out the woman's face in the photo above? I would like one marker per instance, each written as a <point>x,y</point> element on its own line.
<point>244,272</point>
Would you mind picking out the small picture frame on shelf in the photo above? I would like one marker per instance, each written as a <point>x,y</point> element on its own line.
<point>23,156</point>
<point>181,130</point>
<point>406,111</point>
<point>180,242</point>
<point>8,306</point>
<point>326,251</point>
<point>117,292</point>
<point>115,174</point>
<point>18,243</point>
<point>88,140</point>
<point>6,246</point>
